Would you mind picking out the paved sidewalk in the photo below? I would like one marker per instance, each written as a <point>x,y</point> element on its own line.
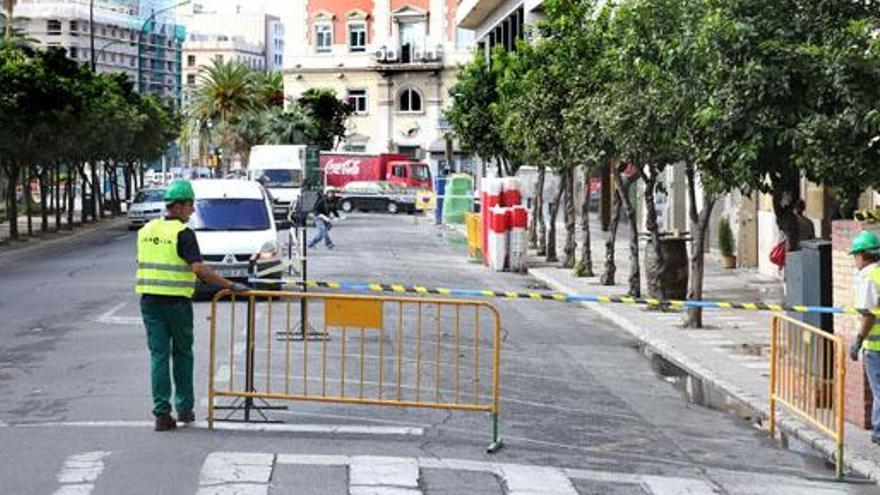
<point>731,353</point>
<point>27,243</point>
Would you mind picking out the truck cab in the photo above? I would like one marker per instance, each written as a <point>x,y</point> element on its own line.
<point>408,173</point>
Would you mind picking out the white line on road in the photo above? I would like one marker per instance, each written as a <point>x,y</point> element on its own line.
<point>80,472</point>
<point>109,317</point>
<point>250,427</point>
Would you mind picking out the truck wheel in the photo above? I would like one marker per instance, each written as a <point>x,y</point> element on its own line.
<point>347,206</point>
<point>392,207</point>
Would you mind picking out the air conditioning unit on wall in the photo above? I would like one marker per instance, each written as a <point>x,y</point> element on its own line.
<point>391,55</point>
<point>418,55</point>
<point>381,54</point>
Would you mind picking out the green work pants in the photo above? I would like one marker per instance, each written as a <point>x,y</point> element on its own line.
<point>170,339</point>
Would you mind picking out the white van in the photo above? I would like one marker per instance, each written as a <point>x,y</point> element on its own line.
<point>232,221</point>
<point>280,169</point>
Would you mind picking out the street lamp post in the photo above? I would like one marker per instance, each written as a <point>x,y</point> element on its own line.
<point>92,33</point>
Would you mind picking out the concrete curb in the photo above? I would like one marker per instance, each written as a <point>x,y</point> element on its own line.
<point>11,248</point>
<point>786,423</point>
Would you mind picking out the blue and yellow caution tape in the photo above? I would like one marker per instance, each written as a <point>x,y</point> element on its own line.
<point>564,297</point>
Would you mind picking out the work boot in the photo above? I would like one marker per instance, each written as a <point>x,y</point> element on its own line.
<point>165,422</point>
<point>186,417</point>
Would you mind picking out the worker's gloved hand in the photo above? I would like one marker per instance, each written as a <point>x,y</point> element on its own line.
<point>239,287</point>
<point>855,348</point>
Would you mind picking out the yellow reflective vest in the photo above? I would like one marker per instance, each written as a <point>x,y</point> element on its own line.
<point>872,343</point>
<point>161,271</point>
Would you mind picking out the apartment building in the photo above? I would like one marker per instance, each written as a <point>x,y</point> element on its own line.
<point>146,47</point>
<point>257,28</point>
<point>394,60</point>
<point>202,49</point>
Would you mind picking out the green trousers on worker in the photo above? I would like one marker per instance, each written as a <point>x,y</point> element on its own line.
<point>170,340</point>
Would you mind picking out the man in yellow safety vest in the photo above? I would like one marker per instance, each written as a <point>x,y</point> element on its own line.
<point>866,250</point>
<point>168,263</point>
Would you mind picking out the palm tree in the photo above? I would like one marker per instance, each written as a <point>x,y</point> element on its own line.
<point>270,88</point>
<point>226,91</point>
<point>291,126</point>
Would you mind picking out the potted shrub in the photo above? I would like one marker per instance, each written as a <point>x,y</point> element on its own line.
<point>725,242</point>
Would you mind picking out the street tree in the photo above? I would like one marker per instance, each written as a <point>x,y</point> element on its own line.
<point>327,115</point>
<point>793,96</point>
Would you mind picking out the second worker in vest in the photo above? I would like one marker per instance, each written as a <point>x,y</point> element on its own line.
<point>169,261</point>
<point>866,252</point>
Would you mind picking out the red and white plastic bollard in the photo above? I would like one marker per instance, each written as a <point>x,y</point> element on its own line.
<point>499,231</point>
<point>518,238</point>
<point>492,189</point>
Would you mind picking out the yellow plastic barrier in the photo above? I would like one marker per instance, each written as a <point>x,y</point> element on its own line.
<point>474,234</point>
<point>373,350</point>
<point>807,374</point>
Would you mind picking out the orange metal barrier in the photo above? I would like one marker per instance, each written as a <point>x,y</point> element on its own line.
<point>807,374</point>
<point>372,349</point>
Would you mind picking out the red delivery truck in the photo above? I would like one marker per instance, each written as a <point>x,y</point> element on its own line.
<point>338,169</point>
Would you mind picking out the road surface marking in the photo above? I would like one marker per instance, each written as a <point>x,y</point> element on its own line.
<point>109,318</point>
<point>370,475</point>
<point>241,473</point>
<point>520,479</point>
<point>251,427</point>
<point>535,480</point>
<point>80,472</point>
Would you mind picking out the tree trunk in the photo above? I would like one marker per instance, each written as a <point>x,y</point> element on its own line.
<point>97,202</point>
<point>786,193</point>
<point>44,196</point>
<point>570,219</point>
<point>26,192</point>
<point>655,270</point>
<point>635,278</point>
<point>57,196</point>
<point>551,233</point>
<point>71,194</point>
<point>13,201</point>
<point>699,224</point>
<point>128,174</point>
<point>608,276</point>
<point>87,210</point>
<point>586,263</point>
<point>538,213</point>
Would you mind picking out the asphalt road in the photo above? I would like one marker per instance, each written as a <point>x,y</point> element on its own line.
<point>582,410</point>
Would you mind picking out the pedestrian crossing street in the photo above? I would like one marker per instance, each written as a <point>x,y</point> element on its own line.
<point>255,473</point>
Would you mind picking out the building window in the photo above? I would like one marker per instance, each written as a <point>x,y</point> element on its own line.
<point>357,98</point>
<point>73,52</point>
<point>74,28</point>
<point>113,58</point>
<point>357,37</point>
<point>191,79</point>
<point>53,27</point>
<point>323,38</point>
<point>131,61</point>
<point>190,60</point>
<point>218,58</point>
<point>409,101</point>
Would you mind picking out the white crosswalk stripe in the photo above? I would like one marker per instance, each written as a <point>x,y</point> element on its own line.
<point>80,472</point>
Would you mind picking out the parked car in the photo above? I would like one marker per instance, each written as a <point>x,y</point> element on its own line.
<point>232,221</point>
<point>148,204</point>
<point>376,196</point>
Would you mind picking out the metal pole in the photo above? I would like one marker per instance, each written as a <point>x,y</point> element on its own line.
<point>92,34</point>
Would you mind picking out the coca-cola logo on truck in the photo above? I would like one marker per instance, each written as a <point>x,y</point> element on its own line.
<point>342,166</point>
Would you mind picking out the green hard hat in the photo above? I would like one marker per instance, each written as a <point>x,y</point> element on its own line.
<point>865,241</point>
<point>179,190</point>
